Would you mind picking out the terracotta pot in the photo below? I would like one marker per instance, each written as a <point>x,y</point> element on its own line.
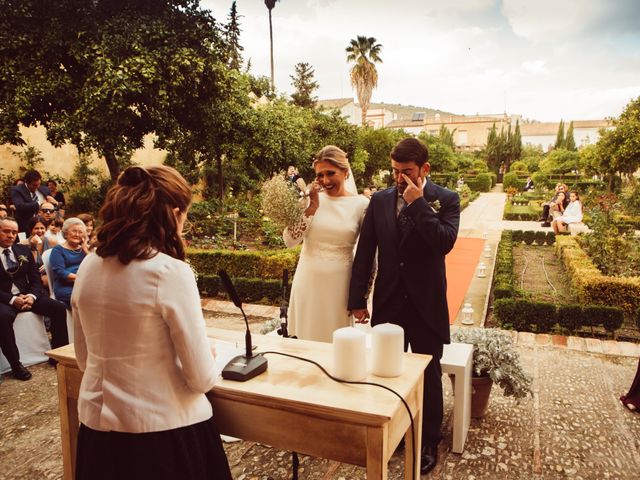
<point>480,397</point>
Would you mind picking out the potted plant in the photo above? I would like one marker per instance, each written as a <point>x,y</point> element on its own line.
<point>495,360</point>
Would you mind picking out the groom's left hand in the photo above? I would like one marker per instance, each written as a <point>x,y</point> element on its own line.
<point>413,191</point>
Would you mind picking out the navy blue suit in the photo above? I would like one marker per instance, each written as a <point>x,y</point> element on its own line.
<point>411,285</point>
<point>26,207</point>
<point>27,279</point>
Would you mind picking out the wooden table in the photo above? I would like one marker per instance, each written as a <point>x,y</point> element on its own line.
<point>293,406</point>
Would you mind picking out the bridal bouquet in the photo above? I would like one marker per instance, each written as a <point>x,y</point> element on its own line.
<point>281,201</point>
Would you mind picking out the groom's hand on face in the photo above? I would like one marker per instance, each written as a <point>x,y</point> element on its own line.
<point>412,192</point>
<point>361,314</point>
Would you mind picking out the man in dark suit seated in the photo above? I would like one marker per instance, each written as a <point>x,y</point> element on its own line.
<point>412,226</point>
<point>27,197</point>
<point>21,291</point>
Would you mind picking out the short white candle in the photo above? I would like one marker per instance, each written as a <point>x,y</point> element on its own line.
<point>349,354</point>
<point>388,350</point>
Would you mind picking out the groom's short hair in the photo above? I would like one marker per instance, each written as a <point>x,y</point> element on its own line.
<point>410,150</point>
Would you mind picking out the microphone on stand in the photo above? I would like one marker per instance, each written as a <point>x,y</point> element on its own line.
<point>247,366</point>
<point>284,305</point>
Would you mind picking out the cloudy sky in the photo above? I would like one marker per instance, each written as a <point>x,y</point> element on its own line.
<point>543,59</point>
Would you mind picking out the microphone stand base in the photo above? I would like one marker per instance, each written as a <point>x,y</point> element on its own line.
<point>241,368</point>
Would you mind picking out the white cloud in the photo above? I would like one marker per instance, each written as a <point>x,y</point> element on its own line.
<point>535,66</point>
<point>540,58</point>
<point>548,20</point>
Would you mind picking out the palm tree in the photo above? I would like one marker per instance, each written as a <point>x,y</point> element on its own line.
<point>363,52</point>
<point>271,5</point>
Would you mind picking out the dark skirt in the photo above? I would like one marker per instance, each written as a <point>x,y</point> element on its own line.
<point>193,452</point>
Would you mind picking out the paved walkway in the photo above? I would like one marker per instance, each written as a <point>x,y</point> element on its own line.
<point>573,427</point>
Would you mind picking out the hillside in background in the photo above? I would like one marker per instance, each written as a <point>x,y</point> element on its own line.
<point>406,111</point>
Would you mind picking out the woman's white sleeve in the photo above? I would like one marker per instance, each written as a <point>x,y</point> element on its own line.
<point>294,234</point>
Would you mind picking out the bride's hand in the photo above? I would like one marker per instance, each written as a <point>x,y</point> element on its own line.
<point>314,198</point>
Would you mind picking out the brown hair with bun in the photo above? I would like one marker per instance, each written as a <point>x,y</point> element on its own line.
<point>138,218</point>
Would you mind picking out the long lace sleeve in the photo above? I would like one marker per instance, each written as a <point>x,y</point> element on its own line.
<point>294,234</point>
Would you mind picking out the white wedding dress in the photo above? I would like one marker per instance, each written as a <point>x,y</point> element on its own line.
<point>320,288</point>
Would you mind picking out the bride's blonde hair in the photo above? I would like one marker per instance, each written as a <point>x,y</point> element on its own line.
<point>333,155</point>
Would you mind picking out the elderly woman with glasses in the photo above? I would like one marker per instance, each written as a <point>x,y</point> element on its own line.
<point>67,257</point>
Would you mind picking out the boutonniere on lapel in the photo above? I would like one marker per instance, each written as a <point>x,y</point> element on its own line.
<point>435,206</point>
<point>22,259</point>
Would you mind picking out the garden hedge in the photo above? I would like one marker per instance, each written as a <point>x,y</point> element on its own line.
<point>590,285</point>
<point>503,277</point>
<point>256,274</point>
<point>264,264</point>
<point>541,317</point>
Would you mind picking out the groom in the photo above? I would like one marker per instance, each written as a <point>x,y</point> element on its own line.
<point>413,226</point>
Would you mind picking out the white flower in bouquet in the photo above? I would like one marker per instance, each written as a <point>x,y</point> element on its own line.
<point>281,201</point>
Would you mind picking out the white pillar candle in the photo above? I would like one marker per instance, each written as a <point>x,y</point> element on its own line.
<point>388,350</point>
<point>349,354</point>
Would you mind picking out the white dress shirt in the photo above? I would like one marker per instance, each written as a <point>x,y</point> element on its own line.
<point>140,339</point>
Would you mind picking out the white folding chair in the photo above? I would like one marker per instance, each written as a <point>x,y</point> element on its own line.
<point>31,339</point>
<point>47,268</point>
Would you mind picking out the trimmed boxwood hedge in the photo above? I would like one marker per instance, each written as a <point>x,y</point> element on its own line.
<point>256,274</point>
<point>541,317</point>
<point>265,264</point>
<point>590,285</point>
<point>503,278</point>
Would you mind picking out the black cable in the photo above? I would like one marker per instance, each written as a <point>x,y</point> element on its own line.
<point>335,379</point>
<point>294,464</point>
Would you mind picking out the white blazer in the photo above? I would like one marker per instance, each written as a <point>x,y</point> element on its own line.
<point>140,340</point>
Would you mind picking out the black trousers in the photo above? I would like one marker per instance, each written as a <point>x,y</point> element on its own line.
<point>423,341</point>
<point>46,306</point>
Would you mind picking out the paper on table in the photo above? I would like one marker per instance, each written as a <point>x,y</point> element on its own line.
<point>225,351</point>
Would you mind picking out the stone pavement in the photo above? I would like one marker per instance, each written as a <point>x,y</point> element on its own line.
<point>573,427</point>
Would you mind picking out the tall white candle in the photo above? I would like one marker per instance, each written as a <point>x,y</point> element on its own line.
<point>388,350</point>
<point>349,354</point>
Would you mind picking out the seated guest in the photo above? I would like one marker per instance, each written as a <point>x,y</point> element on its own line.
<point>67,257</point>
<point>571,214</point>
<point>140,339</point>
<point>529,185</point>
<point>21,291</point>
<point>47,212</point>
<point>3,211</point>
<point>546,206</point>
<point>87,218</point>
<point>36,242</point>
<point>556,208</point>
<point>54,233</point>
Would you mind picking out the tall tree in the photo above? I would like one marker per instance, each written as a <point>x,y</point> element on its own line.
<point>102,75</point>
<point>446,136</point>
<point>270,4</point>
<point>569,141</point>
<point>560,142</point>
<point>516,143</point>
<point>493,159</point>
<point>619,149</point>
<point>364,52</point>
<point>232,37</point>
<point>305,85</point>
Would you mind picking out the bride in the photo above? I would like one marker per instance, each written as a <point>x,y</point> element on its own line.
<point>328,230</point>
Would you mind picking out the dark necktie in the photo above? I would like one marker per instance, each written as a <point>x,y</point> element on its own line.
<point>11,264</point>
<point>405,224</point>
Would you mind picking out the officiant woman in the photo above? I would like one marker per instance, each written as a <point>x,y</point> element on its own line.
<point>140,340</point>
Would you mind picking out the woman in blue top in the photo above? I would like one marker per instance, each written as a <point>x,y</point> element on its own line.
<point>67,257</point>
